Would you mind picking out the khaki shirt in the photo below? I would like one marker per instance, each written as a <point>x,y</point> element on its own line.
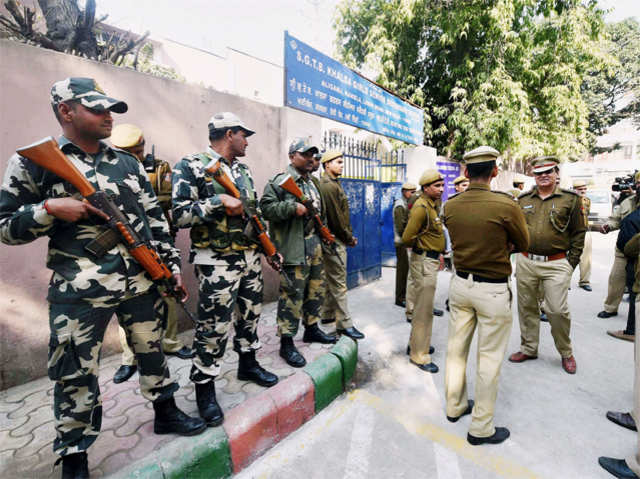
<point>424,228</point>
<point>627,206</point>
<point>586,207</point>
<point>483,224</point>
<point>336,208</point>
<point>400,219</point>
<point>556,224</point>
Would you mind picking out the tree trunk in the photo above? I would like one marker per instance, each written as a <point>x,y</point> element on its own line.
<point>68,27</point>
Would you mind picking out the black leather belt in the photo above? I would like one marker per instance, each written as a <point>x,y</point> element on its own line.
<point>482,279</point>
<point>430,254</point>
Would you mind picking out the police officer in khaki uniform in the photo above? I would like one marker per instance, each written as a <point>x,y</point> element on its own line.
<point>518,186</point>
<point>556,230</point>
<point>617,276</point>
<point>580,187</point>
<point>484,226</point>
<point>400,219</point>
<point>461,183</point>
<point>130,138</point>
<point>425,236</point>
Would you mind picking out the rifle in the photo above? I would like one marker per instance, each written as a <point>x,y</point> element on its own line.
<point>48,155</point>
<point>255,223</point>
<point>290,186</point>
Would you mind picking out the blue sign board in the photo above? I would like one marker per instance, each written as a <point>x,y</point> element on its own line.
<point>318,84</point>
<point>450,170</point>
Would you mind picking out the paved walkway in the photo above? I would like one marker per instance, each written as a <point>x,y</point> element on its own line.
<point>26,416</point>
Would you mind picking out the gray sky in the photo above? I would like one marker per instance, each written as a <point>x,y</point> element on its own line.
<point>253,26</point>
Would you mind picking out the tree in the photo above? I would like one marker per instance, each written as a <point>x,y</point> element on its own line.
<point>501,72</point>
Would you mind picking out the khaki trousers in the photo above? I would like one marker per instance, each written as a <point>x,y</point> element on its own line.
<point>487,306</point>
<point>413,282</point>
<point>402,271</point>
<point>335,297</point>
<point>554,277</point>
<point>585,261</point>
<point>616,282</point>
<point>634,461</point>
<point>170,341</point>
<point>422,322</point>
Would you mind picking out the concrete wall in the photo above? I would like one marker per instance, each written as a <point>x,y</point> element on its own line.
<point>174,117</point>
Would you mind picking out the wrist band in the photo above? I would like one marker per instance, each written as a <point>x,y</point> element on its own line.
<point>46,207</point>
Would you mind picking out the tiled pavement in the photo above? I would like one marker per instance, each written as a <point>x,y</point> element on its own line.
<point>26,416</point>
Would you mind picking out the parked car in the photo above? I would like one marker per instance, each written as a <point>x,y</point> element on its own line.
<point>601,206</point>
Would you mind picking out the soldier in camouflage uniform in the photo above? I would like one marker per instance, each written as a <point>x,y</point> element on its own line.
<point>227,261</point>
<point>296,238</point>
<point>130,138</point>
<point>87,289</point>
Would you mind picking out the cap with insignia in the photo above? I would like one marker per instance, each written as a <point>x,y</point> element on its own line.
<point>87,92</point>
<point>302,145</point>
<point>579,183</point>
<point>460,179</point>
<point>482,154</point>
<point>430,176</point>
<point>330,156</point>
<point>409,186</point>
<point>544,163</point>
<point>225,120</point>
<point>126,136</point>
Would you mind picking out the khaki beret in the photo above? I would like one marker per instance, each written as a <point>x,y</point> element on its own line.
<point>126,135</point>
<point>460,179</point>
<point>579,183</point>
<point>544,163</point>
<point>330,156</point>
<point>482,154</point>
<point>409,186</point>
<point>430,176</point>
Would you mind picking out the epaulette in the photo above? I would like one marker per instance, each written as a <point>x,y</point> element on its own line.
<point>457,193</point>
<point>569,191</point>
<point>504,193</point>
<point>525,193</point>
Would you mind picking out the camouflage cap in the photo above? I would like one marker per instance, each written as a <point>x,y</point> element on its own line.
<point>331,155</point>
<point>430,176</point>
<point>225,120</point>
<point>460,179</point>
<point>302,145</point>
<point>409,186</point>
<point>482,154</point>
<point>87,92</point>
<point>544,163</point>
<point>126,135</point>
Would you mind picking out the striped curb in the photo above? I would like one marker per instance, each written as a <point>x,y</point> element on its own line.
<point>254,426</point>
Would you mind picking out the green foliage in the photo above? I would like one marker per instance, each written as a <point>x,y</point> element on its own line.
<point>143,62</point>
<point>507,73</point>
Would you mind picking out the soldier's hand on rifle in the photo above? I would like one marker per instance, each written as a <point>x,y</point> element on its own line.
<point>232,205</point>
<point>181,292</point>
<point>276,264</point>
<point>301,209</point>
<point>72,210</point>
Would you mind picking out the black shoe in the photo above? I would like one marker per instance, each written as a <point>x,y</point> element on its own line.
<point>123,373</point>
<point>430,368</point>
<point>290,354</point>
<point>466,411</point>
<point>617,467</point>
<point>543,317</point>
<point>402,304</point>
<point>437,312</point>
<point>250,370</point>
<point>75,466</point>
<point>586,287</point>
<point>431,350</point>
<point>328,321</point>
<point>171,420</point>
<point>208,406</point>
<point>501,434</point>
<point>623,419</point>
<point>607,314</point>
<point>313,334</point>
<point>185,352</point>
<point>352,332</point>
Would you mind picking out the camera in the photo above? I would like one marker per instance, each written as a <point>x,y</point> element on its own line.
<point>623,183</point>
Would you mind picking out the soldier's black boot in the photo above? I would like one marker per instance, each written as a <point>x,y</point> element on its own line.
<point>313,334</point>
<point>171,420</point>
<point>208,406</point>
<point>250,370</point>
<point>290,354</point>
<point>75,466</point>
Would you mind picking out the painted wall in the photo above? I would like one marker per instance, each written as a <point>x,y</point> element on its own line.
<point>174,117</point>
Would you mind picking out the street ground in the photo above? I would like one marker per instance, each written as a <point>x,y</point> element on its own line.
<point>392,424</point>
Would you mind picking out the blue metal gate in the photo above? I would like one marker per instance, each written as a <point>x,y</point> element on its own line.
<point>393,173</point>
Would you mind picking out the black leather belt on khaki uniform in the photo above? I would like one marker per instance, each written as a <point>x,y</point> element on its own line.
<point>429,254</point>
<point>482,279</point>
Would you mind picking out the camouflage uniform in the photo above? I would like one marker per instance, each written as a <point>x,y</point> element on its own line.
<point>85,290</point>
<point>296,239</point>
<point>227,262</point>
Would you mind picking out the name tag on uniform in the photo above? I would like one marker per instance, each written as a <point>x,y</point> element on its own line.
<point>527,207</point>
